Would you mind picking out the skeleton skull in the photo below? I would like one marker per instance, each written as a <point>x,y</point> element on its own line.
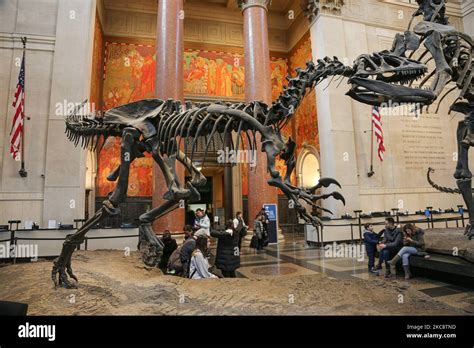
<point>381,77</point>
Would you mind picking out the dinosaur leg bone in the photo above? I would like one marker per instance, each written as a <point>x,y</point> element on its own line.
<point>197,179</point>
<point>62,264</point>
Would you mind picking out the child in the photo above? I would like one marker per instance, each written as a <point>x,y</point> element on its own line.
<point>371,240</point>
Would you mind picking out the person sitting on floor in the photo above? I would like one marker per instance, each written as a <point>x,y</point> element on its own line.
<point>170,245</point>
<point>228,253</point>
<point>199,266</point>
<point>187,249</point>
<point>371,239</point>
<point>391,244</point>
<point>414,243</point>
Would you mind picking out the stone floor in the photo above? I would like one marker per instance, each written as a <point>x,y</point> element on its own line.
<point>286,280</point>
<point>296,258</point>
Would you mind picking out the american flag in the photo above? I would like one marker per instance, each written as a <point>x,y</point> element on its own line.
<point>18,119</point>
<point>377,122</point>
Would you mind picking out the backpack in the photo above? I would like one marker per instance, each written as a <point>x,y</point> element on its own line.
<point>174,263</point>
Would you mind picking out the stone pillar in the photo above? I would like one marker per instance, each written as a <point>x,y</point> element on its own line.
<point>257,88</point>
<point>467,9</point>
<point>169,84</point>
<point>65,165</point>
<point>228,202</point>
<point>335,110</point>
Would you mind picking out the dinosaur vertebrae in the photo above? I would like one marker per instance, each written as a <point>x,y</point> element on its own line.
<point>438,187</point>
<point>193,122</point>
<point>304,81</point>
<point>87,131</point>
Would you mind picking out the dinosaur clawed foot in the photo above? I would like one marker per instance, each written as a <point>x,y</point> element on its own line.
<point>199,180</point>
<point>176,193</point>
<point>150,246</point>
<point>61,273</point>
<point>469,231</point>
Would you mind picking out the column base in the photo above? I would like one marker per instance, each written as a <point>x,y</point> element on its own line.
<point>280,236</point>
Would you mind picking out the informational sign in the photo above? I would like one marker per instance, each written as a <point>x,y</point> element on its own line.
<point>272,212</point>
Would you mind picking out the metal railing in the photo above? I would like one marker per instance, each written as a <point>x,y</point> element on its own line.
<point>430,221</point>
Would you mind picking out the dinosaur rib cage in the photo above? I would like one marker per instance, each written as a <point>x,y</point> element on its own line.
<point>196,129</point>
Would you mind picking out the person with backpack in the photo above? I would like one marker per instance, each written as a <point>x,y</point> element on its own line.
<point>179,260</point>
<point>199,266</point>
<point>170,245</point>
<point>228,252</point>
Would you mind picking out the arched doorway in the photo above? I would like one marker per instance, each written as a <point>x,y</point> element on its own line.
<point>308,170</point>
<point>91,172</point>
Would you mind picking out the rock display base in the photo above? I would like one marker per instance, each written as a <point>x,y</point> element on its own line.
<point>115,284</point>
<point>449,240</point>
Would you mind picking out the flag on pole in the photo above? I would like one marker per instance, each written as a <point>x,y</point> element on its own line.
<point>16,132</point>
<point>377,122</point>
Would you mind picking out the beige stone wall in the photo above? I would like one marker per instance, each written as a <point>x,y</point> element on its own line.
<point>366,26</point>
<point>58,66</point>
<point>22,198</point>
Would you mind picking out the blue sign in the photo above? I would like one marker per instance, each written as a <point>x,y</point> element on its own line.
<point>272,227</point>
<point>427,212</point>
<point>271,210</point>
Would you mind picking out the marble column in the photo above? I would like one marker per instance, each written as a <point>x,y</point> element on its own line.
<point>257,87</point>
<point>335,110</point>
<point>169,84</point>
<point>228,202</point>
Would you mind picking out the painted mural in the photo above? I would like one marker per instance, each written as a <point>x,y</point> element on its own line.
<point>129,75</point>
<point>306,120</point>
<point>213,74</point>
<point>97,66</point>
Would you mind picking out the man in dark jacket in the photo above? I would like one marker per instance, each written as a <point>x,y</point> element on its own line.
<point>228,253</point>
<point>371,239</point>
<point>187,248</point>
<point>391,244</point>
<point>170,245</point>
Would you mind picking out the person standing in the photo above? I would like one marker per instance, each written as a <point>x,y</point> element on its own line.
<point>414,243</point>
<point>199,266</point>
<point>258,230</point>
<point>228,253</point>
<point>265,219</point>
<point>202,223</point>
<point>371,239</point>
<point>240,228</point>
<point>391,244</point>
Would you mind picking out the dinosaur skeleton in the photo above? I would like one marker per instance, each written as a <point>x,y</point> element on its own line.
<point>170,130</point>
<point>163,128</point>
<point>452,53</point>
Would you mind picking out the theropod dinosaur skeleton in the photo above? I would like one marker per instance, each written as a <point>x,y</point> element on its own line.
<point>452,53</point>
<point>164,129</point>
<point>160,127</point>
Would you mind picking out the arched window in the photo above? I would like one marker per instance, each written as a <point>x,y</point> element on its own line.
<point>308,168</point>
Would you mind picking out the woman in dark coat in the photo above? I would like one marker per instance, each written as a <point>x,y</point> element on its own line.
<point>228,255</point>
